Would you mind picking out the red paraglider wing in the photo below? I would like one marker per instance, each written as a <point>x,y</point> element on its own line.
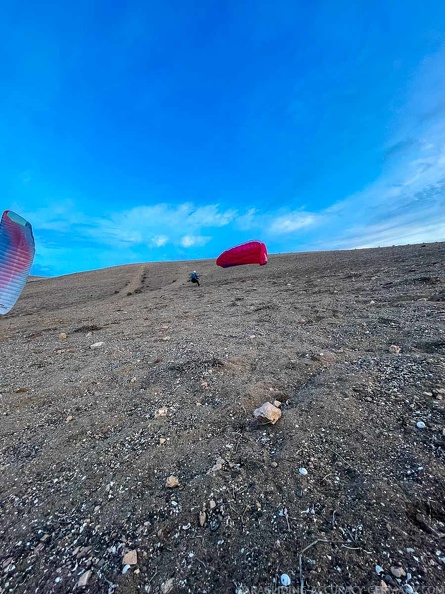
<point>252,252</point>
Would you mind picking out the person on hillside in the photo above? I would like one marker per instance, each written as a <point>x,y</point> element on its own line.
<point>194,278</point>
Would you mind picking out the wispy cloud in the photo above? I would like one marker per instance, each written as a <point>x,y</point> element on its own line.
<point>406,204</point>
<point>194,240</point>
<point>159,240</point>
<point>166,221</point>
<point>291,222</point>
<point>407,207</point>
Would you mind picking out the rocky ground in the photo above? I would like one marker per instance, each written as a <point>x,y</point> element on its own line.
<point>131,460</point>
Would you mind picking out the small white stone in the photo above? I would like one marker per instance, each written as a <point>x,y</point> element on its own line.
<point>302,471</point>
<point>97,345</point>
<point>420,425</point>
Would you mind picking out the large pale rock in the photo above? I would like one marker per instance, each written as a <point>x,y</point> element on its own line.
<point>267,412</point>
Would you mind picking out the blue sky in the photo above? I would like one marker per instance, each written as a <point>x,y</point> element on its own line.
<point>140,131</point>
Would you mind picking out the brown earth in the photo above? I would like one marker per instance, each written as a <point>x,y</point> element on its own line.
<point>83,470</point>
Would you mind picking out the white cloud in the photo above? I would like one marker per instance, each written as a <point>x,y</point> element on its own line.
<point>159,240</point>
<point>209,216</point>
<point>172,221</point>
<point>248,220</point>
<point>193,240</point>
<point>292,221</point>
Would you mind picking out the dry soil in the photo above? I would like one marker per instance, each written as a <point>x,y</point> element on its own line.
<point>111,381</point>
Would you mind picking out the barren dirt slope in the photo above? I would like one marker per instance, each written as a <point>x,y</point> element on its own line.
<point>88,436</point>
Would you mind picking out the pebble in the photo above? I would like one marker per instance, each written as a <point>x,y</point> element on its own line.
<point>408,589</point>
<point>215,523</point>
<point>84,579</point>
<point>167,586</point>
<point>285,579</point>
<point>325,357</point>
<point>69,418</point>
<point>217,466</point>
<point>394,349</point>
<point>378,569</point>
<point>130,558</point>
<point>277,403</point>
<point>420,425</point>
<point>427,393</point>
<point>398,572</point>
<point>302,471</point>
<point>171,482</point>
<point>389,580</point>
<point>62,336</point>
<point>162,440</point>
<point>161,412</point>
<point>97,345</point>
<point>125,568</point>
<point>202,518</point>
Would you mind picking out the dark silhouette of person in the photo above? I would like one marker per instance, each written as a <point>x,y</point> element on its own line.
<point>194,278</point>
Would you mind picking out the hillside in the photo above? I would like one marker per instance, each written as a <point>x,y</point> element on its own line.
<point>113,380</point>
